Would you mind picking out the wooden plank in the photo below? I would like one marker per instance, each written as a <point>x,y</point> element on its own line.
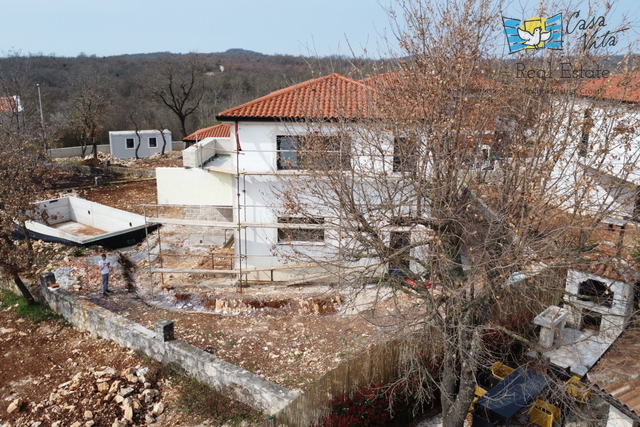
<point>247,270</point>
<point>193,271</point>
<point>233,225</point>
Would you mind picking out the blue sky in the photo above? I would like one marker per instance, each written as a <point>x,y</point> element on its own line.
<point>103,28</point>
<point>68,27</point>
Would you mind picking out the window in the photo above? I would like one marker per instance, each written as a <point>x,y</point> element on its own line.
<point>153,143</point>
<point>315,234</point>
<point>587,124</point>
<point>595,291</point>
<point>399,264</point>
<point>287,152</point>
<point>130,143</point>
<point>404,155</point>
<point>312,152</point>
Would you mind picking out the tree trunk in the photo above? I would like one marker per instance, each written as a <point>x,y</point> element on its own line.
<point>164,142</point>
<point>23,289</point>
<point>27,239</point>
<point>183,125</point>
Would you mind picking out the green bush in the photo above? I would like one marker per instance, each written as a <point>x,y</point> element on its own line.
<point>37,312</point>
<point>77,252</point>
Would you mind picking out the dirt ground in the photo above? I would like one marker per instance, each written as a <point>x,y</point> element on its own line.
<point>289,335</point>
<point>53,375</point>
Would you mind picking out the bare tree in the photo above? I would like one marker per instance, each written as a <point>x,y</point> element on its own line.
<point>137,131</point>
<point>406,185</point>
<point>179,85</point>
<point>23,175</point>
<point>89,104</point>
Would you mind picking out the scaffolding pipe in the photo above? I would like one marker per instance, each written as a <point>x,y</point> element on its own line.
<point>239,213</point>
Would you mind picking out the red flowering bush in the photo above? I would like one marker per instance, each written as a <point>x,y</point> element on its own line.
<point>369,407</point>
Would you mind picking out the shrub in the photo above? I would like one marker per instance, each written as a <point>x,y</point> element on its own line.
<point>37,312</point>
<point>77,252</point>
<point>370,407</point>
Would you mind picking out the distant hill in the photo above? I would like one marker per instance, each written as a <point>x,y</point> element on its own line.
<point>242,52</point>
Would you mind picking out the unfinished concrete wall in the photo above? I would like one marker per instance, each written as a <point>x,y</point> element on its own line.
<point>199,154</point>
<point>180,186</point>
<point>239,383</point>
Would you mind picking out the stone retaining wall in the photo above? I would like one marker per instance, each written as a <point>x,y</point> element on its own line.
<point>237,382</point>
<point>111,170</point>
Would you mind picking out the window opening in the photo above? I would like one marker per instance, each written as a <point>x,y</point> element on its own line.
<point>595,291</point>
<point>399,263</point>
<point>587,124</point>
<point>591,320</point>
<point>404,155</point>
<point>287,235</point>
<point>312,153</point>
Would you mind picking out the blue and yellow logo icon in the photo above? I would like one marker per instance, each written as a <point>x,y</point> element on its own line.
<point>533,33</point>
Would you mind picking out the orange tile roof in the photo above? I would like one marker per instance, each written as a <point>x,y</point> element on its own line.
<point>10,104</point>
<point>621,87</point>
<point>217,131</point>
<point>611,268</point>
<point>617,371</point>
<point>330,97</point>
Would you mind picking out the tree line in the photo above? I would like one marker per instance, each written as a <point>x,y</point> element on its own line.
<point>85,97</point>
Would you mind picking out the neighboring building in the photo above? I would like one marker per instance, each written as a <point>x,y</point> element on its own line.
<point>11,108</point>
<point>123,143</point>
<point>606,160</point>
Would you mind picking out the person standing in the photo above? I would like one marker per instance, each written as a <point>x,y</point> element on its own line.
<point>105,269</point>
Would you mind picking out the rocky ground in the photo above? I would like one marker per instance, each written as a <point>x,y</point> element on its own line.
<point>290,335</point>
<point>53,375</point>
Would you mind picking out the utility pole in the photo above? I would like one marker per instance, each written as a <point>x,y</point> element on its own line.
<point>44,140</point>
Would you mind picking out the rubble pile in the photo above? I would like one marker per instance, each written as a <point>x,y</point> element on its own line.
<point>54,375</point>
<point>173,158</point>
<point>124,398</point>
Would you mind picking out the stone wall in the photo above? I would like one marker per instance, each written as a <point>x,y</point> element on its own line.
<point>111,170</point>
<point>237,382</point>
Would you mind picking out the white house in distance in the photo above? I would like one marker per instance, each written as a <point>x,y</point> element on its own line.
<point>123,143</point>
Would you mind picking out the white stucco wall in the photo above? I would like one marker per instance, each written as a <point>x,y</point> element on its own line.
<point>193,187</point>
<point>261,182</point>
<point>609,173</point>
